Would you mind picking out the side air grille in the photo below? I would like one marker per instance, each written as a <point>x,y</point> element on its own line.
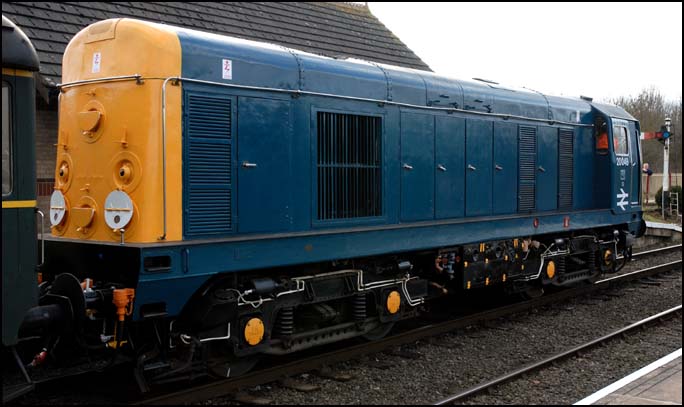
<point>349,166</point>
<point>565,169</point>
<point>207,166</point>
<point>527,164</point>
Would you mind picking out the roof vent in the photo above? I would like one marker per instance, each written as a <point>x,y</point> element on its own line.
<point>587,98</point>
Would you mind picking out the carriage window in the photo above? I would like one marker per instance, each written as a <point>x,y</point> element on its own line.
<point>620,140</point>
<point>6,148</point>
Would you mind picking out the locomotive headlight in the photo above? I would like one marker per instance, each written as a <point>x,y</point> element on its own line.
<point>125,172</point>
<point>64,172</point>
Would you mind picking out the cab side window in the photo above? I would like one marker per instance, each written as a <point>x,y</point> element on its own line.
<point>620,143</point>
<point>6,141</point>
<point>601,134</point>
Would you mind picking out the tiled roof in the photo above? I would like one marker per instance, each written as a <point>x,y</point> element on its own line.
<point>331,29</point>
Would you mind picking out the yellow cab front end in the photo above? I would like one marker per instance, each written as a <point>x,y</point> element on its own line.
<point>115,139</point>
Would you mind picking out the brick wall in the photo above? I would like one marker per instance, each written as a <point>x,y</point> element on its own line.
<point>46,154</point>
<point>46,138</point>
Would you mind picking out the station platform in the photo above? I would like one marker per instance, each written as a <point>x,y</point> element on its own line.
<point>666,226</point>
<point>659,383</point>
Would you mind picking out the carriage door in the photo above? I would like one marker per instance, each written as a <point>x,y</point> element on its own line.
<point>264,178</point>
<point>625,164</point>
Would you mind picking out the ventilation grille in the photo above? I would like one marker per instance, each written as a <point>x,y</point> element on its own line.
<point>565,170</point>
<point>527,165</point>
<point>207,166</point>
<point>349,166</point>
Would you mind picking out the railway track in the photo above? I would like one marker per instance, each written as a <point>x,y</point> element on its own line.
<point>221,388</point>
<point>465,394</point>
<point>655,251</point>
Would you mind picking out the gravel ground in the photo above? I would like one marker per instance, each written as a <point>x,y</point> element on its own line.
<point>578,377</point>
<point>444,365</point>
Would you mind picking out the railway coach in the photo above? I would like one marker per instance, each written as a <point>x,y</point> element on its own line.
<point>218,199</point>
<point>19,262</point>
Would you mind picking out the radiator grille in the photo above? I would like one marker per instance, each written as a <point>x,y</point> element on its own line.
<point>207,166</point>
<point>349,166</point>
<point>565,169</point>
<point>527,167</point>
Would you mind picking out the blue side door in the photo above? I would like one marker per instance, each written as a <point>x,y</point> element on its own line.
<point>547,169</point>
<point>505,185</point>
<point>478,167</point>
<point>264,169</point>
<point>449,167</point>
<point>417,167</point>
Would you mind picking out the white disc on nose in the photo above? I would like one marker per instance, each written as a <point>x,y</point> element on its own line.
<point>57,208</point>
<point>118,210</point>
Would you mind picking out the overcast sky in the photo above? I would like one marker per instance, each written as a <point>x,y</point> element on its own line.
<point>602,50</point>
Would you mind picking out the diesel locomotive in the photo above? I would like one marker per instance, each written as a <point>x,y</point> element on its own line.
<point>218,199</point>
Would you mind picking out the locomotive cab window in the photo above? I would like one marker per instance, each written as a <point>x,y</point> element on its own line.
<point>620,142</point>
<point>6,140</point>
<point>601,136</point>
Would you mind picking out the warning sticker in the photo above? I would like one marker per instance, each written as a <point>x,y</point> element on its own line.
<point>97,59</point>
<point>227,69</point>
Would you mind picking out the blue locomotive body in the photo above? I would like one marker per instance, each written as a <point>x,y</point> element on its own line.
<point>335,159</point>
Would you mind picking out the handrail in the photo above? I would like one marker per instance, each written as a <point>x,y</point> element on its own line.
<point>298,92</point>
<point>163,113</point>
<point>42,236</point>
<point>137,77</point>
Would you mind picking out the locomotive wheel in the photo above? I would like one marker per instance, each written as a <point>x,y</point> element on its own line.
<point>222,363</point>
<point>380,332</point>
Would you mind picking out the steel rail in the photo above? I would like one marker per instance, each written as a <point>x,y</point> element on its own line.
<point>653,251</point>
<point>658,250</point>
<point>562,355</point>
<point>223,387</point>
